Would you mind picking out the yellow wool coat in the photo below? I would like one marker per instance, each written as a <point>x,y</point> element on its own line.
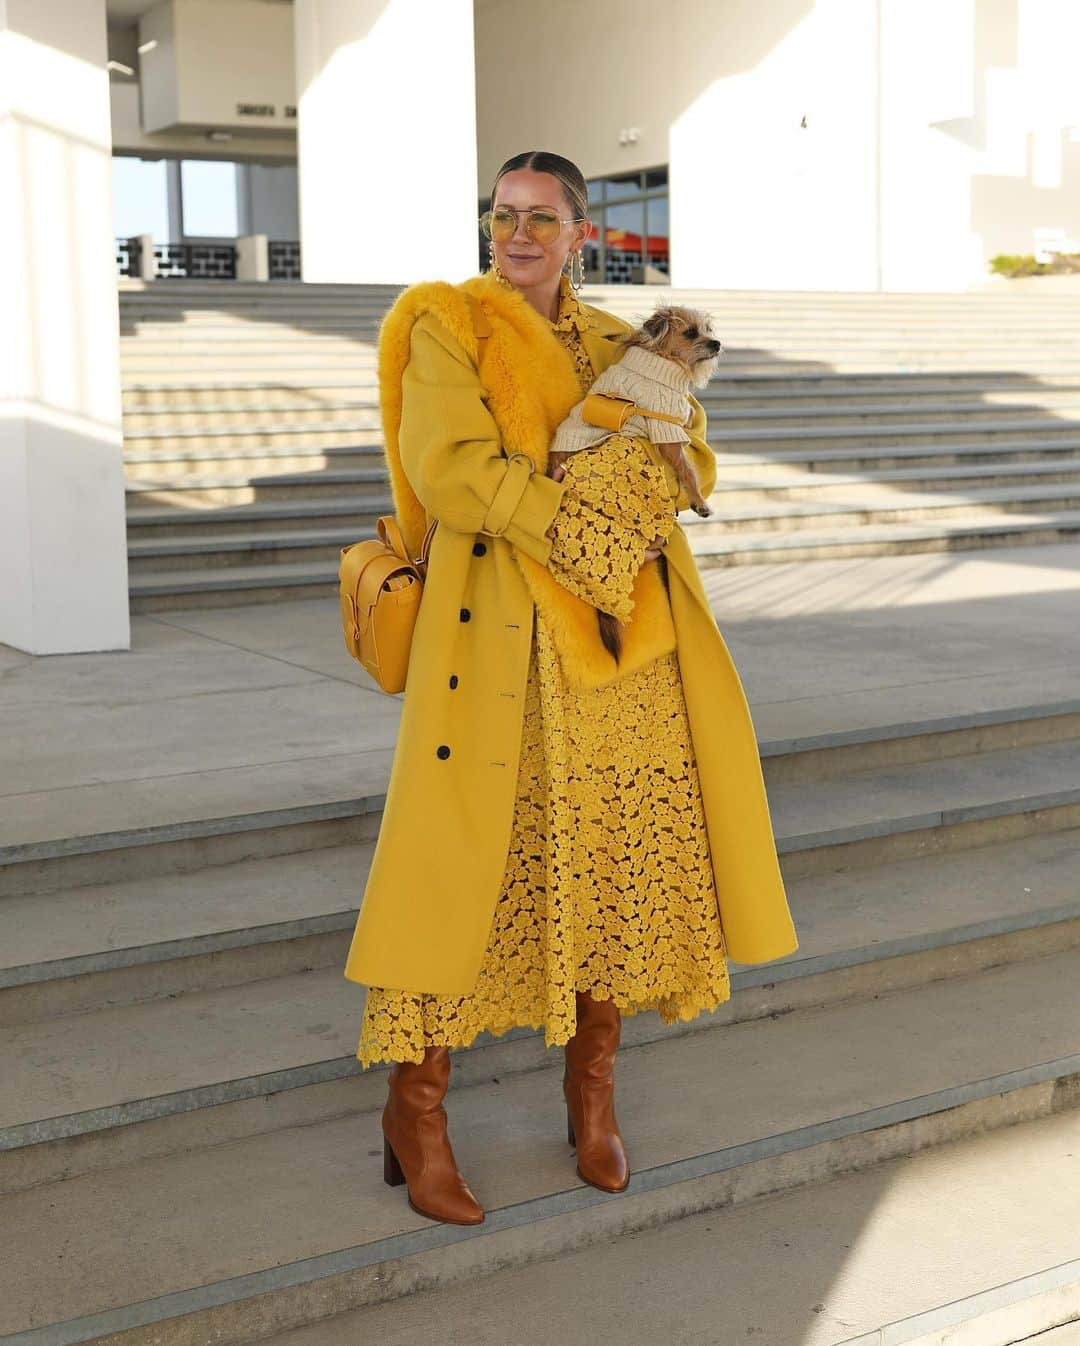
<point>470,449</point>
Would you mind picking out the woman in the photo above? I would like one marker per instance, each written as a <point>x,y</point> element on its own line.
<point>564,839</point>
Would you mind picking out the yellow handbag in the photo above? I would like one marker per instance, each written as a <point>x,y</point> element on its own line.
<point>381,586</point>
<point>611,411</point>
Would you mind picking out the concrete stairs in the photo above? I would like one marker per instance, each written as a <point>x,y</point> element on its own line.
<point>191,1155</point>
<point>900,1252</point>
<point>847,425</point>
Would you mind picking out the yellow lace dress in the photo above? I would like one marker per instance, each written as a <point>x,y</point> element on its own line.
<point>608,886</point>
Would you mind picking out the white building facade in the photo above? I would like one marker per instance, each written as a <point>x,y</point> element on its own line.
<point>799,145</point>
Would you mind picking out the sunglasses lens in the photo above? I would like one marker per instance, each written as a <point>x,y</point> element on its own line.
<point>503,224</point>
<point>543,226</point>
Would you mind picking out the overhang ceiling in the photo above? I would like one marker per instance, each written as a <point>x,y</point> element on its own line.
<point>124,13</point>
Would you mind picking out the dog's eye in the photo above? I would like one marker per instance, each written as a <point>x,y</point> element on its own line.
<point>691,332</point>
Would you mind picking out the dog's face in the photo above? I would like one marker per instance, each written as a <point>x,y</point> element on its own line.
<point>684,335</point>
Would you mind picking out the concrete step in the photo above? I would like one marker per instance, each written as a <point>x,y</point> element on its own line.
<point>861,355</point>
<point>736,323</point>
<point>857,458</point>
<point>324,387</point>
<point>208,471</point>
<point>194,295</point>
<point>788,530</point>
<point>738,316</point>
<point>316,433</point>
<point>173,464</point>
<point>162,1019</point>
<point>881,539</point>
<point>266,1232</point>
<point>146,406</point>
<point>912,410</point>
<point>268,522</point>
<point>841,407</point>
<point>106,945</point>
<point>1033,325</point>
<point>252,335</point>
<point>888,395</point>
<point>880,792</point>
<point>270,517</point>
<point>739,476</point>
<point>1017,429</point>
<point>857,507</point>
<point>776,389</point>
<point>759,479</point>
<point>820,382</point>
<point>276,339</point>
<point>217,551</point>
<point>989,1256</point>
<point>235,407</point>
<point>136,367</point>
<point>212,488</point>
<point>739,365</point>
<point>1068,1334</point>
<point>144,424</point>
<point>195,480</point>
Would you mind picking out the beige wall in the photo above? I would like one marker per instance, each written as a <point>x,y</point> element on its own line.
<point>561,76</point>
<point>63,553</point>
<point>936,130</point>
<point>384,114</point>
<point>213,55</point>
<point>130,138</point>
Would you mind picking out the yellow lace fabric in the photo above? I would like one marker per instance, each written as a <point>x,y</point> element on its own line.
<point>608,886</point>
<point>616,502</point>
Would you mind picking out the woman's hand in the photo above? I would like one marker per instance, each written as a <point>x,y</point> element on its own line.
<point>558,472</point>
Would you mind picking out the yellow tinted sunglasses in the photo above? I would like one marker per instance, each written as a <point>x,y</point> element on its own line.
<point>542,226</point>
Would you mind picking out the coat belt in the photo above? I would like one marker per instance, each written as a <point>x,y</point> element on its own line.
<point>507,497</point>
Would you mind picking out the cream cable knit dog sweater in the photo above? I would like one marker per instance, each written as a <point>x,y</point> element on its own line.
<point>653,382</point>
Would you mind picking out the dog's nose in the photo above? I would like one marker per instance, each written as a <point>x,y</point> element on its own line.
<point>717,346</point>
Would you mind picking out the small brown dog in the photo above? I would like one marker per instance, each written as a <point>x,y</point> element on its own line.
<point>683,338</point>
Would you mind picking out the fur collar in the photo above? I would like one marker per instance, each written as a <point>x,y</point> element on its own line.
<point>530,385</point>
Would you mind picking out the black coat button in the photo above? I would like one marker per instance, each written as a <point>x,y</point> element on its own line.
<point>465,614</point>
<point>453,679</point>
<point>479,548</point>
<point>442,751</point>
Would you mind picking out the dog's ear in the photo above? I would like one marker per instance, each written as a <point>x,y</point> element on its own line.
<point>658,324</point>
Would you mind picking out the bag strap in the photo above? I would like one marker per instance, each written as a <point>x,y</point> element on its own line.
<point>661,416</point>
<point>481,326</point>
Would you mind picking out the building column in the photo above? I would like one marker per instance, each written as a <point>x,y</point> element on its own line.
<point>386,109</point>
<point>63,555</point>
<point>174,197</point>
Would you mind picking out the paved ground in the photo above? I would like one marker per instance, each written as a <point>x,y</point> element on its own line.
<point>209,701</point>
<point>917,1246</point>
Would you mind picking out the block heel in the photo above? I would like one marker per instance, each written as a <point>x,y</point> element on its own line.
<point>416,1147</point>
<point>392,1174</point>
<point>589,1090</point>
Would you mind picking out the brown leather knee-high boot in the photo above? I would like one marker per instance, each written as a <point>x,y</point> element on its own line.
<point>416,1147</point>
<point>589,1087</point>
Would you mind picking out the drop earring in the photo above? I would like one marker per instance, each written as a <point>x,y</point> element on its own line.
<point>496,269</point>
<point>576,285</point>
